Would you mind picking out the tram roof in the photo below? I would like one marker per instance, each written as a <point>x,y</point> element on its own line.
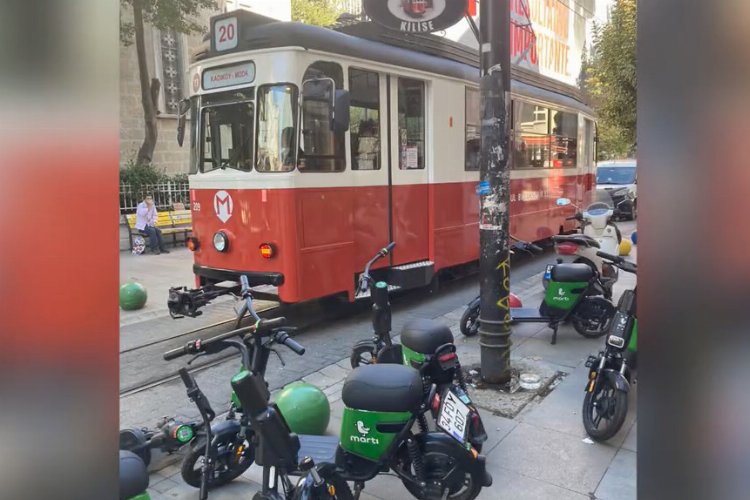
<point>367,41</point>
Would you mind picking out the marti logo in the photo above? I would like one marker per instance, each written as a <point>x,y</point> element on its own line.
<point>561,295</point>
<point>223,205</point>
<point>363,438</point>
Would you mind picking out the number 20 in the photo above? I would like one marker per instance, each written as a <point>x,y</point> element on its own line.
<point>226,33</point>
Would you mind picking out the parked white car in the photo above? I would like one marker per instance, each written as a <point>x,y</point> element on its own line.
<point>619,179</point>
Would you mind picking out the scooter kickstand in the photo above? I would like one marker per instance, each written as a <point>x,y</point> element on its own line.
<point>554,335</point>
<point>358,487</point>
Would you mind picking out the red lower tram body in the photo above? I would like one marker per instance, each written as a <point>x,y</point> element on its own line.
<point>322,237</point>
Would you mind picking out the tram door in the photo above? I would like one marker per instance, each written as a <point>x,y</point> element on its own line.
<point>407,168</point>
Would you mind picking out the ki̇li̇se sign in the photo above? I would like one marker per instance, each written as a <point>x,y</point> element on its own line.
<point>415,16</point>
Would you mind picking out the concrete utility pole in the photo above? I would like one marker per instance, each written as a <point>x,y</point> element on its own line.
<point>494,191</point>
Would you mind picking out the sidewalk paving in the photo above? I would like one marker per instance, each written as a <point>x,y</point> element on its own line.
<point>540,454</point>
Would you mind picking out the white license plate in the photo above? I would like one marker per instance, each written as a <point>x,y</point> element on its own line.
<point>454,417</point>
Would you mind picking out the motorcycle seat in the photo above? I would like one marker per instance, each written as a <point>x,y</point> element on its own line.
<point>568,273</point>
<point>133,475</point>
<point>387,387</point>
<point>577,239</point>
<point>425,335</point>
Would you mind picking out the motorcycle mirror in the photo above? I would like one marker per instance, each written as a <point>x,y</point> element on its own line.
<point>562,202</point>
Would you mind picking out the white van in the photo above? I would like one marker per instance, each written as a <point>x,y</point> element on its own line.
<point>619,179</point>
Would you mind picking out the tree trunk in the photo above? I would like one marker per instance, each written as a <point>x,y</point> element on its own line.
<point>149,92</point>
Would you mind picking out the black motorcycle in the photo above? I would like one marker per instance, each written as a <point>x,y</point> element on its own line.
<point>605,405</point>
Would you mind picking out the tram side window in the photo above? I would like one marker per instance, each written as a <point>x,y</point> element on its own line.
<point>411,123</point>
<point>277,145</point>
<point>473,137</point>
<point>588,141</point>
<point>321,149</point>
<point>564,136</point>
<point>531,141</point>
<point>364,128</point>
<point>227,136</point>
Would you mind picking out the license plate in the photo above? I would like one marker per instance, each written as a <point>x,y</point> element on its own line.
<point>454,417</point>
<point>548,272</point>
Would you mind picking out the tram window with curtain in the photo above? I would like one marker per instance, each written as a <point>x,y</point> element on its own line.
<point>321,149</point>
<point>411,124</point>
<point>564,135</point>
<point>364,124</point>
<point>531,141</point>
<point>473,136</point>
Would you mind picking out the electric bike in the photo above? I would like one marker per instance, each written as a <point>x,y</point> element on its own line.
<point>230,439</point>
<point>469,323</point>
<point>426,345</point>
<point>169,436</point>
<point>382,404</point>
<point>597,233</point>
<point>606,402</point>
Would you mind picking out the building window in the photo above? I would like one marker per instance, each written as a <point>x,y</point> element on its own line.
<point>473,135</point>
<point>411,123</point>
<point>364,128</point>
<point>172,65</point>
<point>321,148</point>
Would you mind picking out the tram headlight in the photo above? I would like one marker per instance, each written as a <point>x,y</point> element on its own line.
<point>221,241</point>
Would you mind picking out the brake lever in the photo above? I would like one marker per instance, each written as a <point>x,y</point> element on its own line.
<point>196,357</point>
<point>281,360</point>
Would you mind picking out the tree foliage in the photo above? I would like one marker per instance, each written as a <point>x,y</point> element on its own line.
<point>610,80</point>
<point>177,15</point>
<point>317,12</point>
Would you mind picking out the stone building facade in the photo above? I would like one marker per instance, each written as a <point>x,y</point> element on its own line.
<point>167,57</point>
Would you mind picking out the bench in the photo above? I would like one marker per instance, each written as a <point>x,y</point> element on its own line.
<point>174,222</point>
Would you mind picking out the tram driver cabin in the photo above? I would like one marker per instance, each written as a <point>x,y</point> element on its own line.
<point>313,148</point>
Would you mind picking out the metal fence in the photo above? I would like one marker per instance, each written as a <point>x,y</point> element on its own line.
<point>165,195</point>
<point>349,6</point>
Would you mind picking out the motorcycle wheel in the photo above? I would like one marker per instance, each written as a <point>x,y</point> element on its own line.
<point>606,406</point>
<point>436,466</point>
<point>228,465</point>
<point>593,317</point>
<point>469,324</point>
<point>363,355</point>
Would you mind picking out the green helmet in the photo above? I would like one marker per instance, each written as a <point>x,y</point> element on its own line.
<point>305,408</point>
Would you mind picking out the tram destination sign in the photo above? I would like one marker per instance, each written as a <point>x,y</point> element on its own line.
<point>415,16</point>
<point>226,76</point>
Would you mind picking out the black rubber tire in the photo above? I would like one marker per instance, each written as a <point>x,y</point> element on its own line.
<point>469,324</point>
<point>192,476</point>
<point>471,492</point>
<point>617,414</point>
<point>581,325</point>
<point>360,355</point>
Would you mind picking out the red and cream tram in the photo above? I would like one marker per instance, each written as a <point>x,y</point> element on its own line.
<point>313,148</point>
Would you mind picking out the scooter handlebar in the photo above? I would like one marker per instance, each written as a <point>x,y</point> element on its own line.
<point>198,345</point>
<point>284,338</point>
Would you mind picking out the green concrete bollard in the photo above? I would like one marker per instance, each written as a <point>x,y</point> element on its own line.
<point>132,296</point>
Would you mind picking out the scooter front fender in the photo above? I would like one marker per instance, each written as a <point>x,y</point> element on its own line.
<point>619,380</point>
<point>224,429</point>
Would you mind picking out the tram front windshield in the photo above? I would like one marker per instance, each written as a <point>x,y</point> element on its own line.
<point>227,136</point>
